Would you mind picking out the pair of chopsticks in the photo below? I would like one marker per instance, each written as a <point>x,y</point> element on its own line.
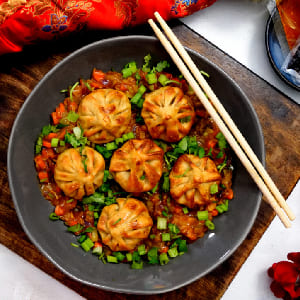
<point>223,120</point>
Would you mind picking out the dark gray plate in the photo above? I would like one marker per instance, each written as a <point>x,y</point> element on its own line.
<point>52,239</point>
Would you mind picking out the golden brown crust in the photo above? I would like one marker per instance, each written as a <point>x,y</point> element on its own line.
<point>79,175</point>
<point>168,114</point>
<point>137,165</point>
<point>104,115</point>
<point>191,178</point>
<point>124,225</point>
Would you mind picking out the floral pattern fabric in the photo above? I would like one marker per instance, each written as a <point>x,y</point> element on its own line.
<point>24,22</point>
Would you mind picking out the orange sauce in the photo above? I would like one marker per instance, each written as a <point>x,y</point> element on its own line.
<point>289,11</point>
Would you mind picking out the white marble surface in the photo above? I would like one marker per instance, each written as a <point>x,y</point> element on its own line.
<point>238,28</point>
<point>20,280</point>
<point>252,280</point>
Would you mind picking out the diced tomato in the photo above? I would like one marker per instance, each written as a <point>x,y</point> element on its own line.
<point>228,194</point>
<point>123,87</point>
<point>46,144</point>
<point>97,244</point>
<point>50,136</point>
<point>59,210</point>
<point>43,176</point>
<point>48,153</point>
<point>72,223</point>
<point>40,163</point>
<point>201,113</point>
<point>214,213</point>
<point>98,75</point>
<point>211,143</point>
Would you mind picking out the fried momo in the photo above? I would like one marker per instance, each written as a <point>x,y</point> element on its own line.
<point>191,178</point>
<point>104,115</point>
<point>124,225</point>
<point>137,165</point>
<point>79,174</point>
<point>168,114</point>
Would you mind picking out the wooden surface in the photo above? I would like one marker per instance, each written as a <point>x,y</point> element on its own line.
<point>279,117</point>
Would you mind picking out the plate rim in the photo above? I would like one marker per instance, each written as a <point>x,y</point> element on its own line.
<point>45,253</point>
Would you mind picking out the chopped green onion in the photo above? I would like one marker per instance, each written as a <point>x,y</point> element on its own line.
<point>128,136</point>
<point>116,222</point>
<point>220,209</point>
<point>173,252</point>
<point>53,216</point>
<point>87,245</point>
<point>162,79</point>
<point>152,236</point>
<point>183,174</point>
<point>119,141</point>
<point>183,144</point>
<point>201,152</point>
<point>72,89</point>
<point>143,177</point>
<point>205,74</point>
<point>185,210</point>
<point>87,85</point>
<point>77,132</point>
<point>151,78</point>
<point>165,237</point>
<point>142,249</point>
<point>136,256</point>
<point>75,245</point>
<point>137,265</point>
<point>173,228</point>
<point>135,99</point>
<point>111,259</point>
<point>75,228</point>
<point>166,182</point>
<point>186,119</point>
<point>210,225</point>
<point>129,256</point>
<point>119,255</point>
<point>54,142</point>
<point>82,238</point>
<point>214,188</point>
<point>153,256</point>
<point>72,116</point>
<point>129,69</point>
<point>172,81</point>
<point>97,250</point>
<point>161,223</point>
<point>102,257</point>
<point>164,213</point>
<point>163,258</point>
<point>182,246</point>
<point>111,146</point>
<point>126,73</point>
<point>222,143</point>
<point>202,215</point>
<point>162,65</point>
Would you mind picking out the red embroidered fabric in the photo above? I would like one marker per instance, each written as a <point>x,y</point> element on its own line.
<point>24,22</point>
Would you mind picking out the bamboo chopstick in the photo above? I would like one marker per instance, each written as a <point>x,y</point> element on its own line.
<point>232,140</point>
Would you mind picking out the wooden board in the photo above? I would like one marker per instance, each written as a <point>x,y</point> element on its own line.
<point>279,117</point>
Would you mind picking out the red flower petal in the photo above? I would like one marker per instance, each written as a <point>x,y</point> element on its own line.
<point>285,272</point>
<point>277,290</point>
<point>271,271</point>
<point>290,288</point>
<point>295,257</point>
